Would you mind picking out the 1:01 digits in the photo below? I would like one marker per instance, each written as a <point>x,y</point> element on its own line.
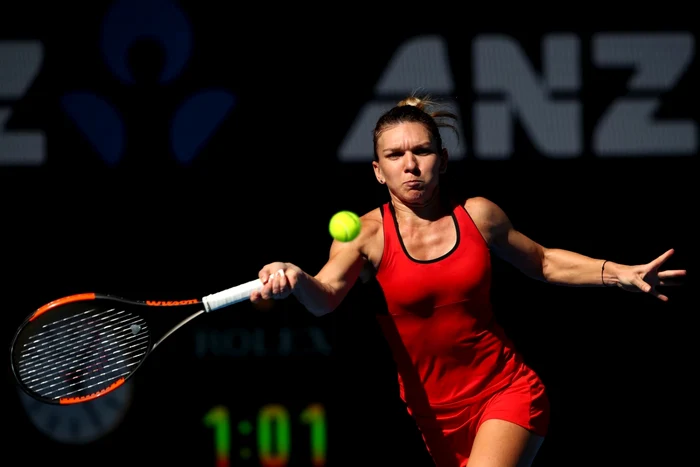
<point>274,434</point>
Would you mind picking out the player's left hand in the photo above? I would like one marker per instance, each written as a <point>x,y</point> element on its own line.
<point>647,277</point>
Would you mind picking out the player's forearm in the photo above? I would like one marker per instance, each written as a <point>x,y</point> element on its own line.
<point>317,297</point>
<point>569,268</point>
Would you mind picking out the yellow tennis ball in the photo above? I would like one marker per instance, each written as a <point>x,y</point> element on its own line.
<point>344,226</point>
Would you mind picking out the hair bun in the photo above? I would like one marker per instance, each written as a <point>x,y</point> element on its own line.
<point>414,101</point>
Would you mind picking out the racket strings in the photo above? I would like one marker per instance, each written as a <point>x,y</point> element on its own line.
<point>82,354</point>
<point>42,345</point>
<point>53,345</point>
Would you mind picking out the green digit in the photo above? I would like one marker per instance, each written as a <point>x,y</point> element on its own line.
<point>315,416</point>
<point>218,419</point>
<point>273,436</point>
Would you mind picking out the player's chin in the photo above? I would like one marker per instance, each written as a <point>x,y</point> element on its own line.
<point>415,197</point>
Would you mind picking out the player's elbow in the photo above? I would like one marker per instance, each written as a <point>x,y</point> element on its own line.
<point>533,263</point>
<point>547,265</point>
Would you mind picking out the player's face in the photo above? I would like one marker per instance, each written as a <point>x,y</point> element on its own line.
<point>409,162</point>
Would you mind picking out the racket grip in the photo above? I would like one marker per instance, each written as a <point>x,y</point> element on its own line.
<point>230,296</point>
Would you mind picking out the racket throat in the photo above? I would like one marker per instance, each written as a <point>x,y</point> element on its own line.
<point>178,326</point>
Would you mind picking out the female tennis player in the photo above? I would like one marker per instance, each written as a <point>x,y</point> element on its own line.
<point>472,396</point>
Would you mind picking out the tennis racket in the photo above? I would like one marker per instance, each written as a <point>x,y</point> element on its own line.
<point>83,346</point>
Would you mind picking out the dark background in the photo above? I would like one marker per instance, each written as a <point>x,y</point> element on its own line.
<point>619,367</point>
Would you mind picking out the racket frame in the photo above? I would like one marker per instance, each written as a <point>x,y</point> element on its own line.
<point>208,303</point>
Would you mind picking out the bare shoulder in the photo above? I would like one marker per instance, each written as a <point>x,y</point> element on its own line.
<point>369,244</point>
<point>483,209</point>
<point>372,226</point>
<point>371,235</point>
<point>489,218</point>
<point>372,220</point>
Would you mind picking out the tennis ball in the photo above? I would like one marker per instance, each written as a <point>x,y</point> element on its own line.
<point>344,226</point>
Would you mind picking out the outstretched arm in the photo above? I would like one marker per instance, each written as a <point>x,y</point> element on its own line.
<point>319,294</point>
<point>563,267</point>
<point>322,293</point>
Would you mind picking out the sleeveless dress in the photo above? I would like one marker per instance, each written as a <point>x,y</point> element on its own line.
<point>456,366</point>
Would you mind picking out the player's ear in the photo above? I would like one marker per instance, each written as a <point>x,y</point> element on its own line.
<point>378,172</point>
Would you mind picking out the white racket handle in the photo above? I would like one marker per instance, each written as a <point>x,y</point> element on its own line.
<point>230,296</point>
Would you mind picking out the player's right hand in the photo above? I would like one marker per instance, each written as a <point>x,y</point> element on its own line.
<point>279,280</point>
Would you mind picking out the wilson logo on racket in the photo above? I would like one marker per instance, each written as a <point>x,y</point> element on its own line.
<point>171,303</point>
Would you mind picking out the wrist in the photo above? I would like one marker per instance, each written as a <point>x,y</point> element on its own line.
<point>608,274</point>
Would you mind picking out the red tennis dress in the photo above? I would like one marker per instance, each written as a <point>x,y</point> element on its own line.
<point>456,367</point>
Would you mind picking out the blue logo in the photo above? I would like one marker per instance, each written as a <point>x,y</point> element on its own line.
<point>197,117</point>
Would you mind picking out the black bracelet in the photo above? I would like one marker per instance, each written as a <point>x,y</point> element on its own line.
<point>602,269</point>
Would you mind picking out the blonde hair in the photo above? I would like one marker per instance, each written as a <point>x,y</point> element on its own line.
<point>418,109</point>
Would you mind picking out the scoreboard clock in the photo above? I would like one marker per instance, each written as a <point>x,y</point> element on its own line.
<point>268,435</point>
